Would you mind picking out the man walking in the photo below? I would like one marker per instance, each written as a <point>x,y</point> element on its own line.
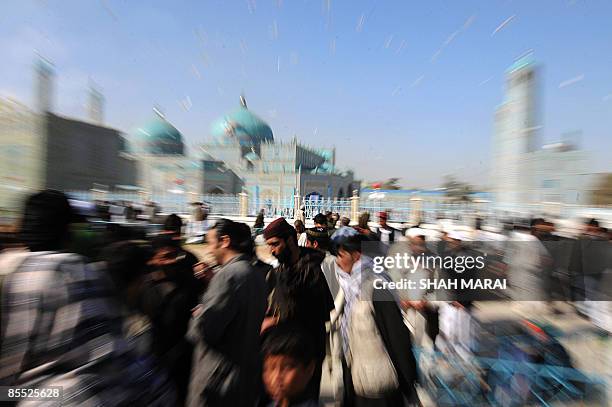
<point>385,233</point>
<point>225,326</point>
<point>299,291</point>
<point>318,238</point>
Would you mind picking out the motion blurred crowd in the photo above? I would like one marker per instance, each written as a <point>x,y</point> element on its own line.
<point>126,317</point>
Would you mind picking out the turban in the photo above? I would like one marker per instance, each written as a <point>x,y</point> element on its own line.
<point>278,228</point>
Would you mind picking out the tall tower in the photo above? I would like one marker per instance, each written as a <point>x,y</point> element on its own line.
<point>44,74</point>
<point>516,135</point>
<point>95,105</point>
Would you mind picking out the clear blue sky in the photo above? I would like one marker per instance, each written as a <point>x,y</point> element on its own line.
<point>364,76</point>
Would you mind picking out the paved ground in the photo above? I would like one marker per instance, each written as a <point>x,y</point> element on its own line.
<point>589,349</point>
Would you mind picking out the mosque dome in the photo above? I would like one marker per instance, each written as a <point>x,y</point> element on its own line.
<point>159,137</point>
<point>242,126</point>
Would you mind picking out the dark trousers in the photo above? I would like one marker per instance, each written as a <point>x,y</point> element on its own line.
<point>432,322</point>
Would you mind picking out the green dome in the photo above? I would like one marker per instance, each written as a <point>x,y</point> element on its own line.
<point>158,136</point>
<point>242,126</point>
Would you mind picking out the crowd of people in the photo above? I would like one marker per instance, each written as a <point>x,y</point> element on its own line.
<point>143,321</point>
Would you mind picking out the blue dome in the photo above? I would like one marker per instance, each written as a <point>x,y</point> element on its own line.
<point>325,167</point>
<point>159,137</point>
<point>243,127</point>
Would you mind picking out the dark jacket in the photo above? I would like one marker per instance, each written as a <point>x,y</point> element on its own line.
<point>226,337</point>
<point>390,230</point>
<point>464,296</point>
<point>300,294</point>
<point>168,305</point>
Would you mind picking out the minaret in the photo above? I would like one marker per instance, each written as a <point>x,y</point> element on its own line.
<point>517,124</point>
<point>95,105</point>
<point>43,79</point>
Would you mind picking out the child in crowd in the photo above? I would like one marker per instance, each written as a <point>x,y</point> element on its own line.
<point>288,365</point>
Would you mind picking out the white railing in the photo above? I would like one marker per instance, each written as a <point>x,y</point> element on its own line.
<point>405,209</point>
